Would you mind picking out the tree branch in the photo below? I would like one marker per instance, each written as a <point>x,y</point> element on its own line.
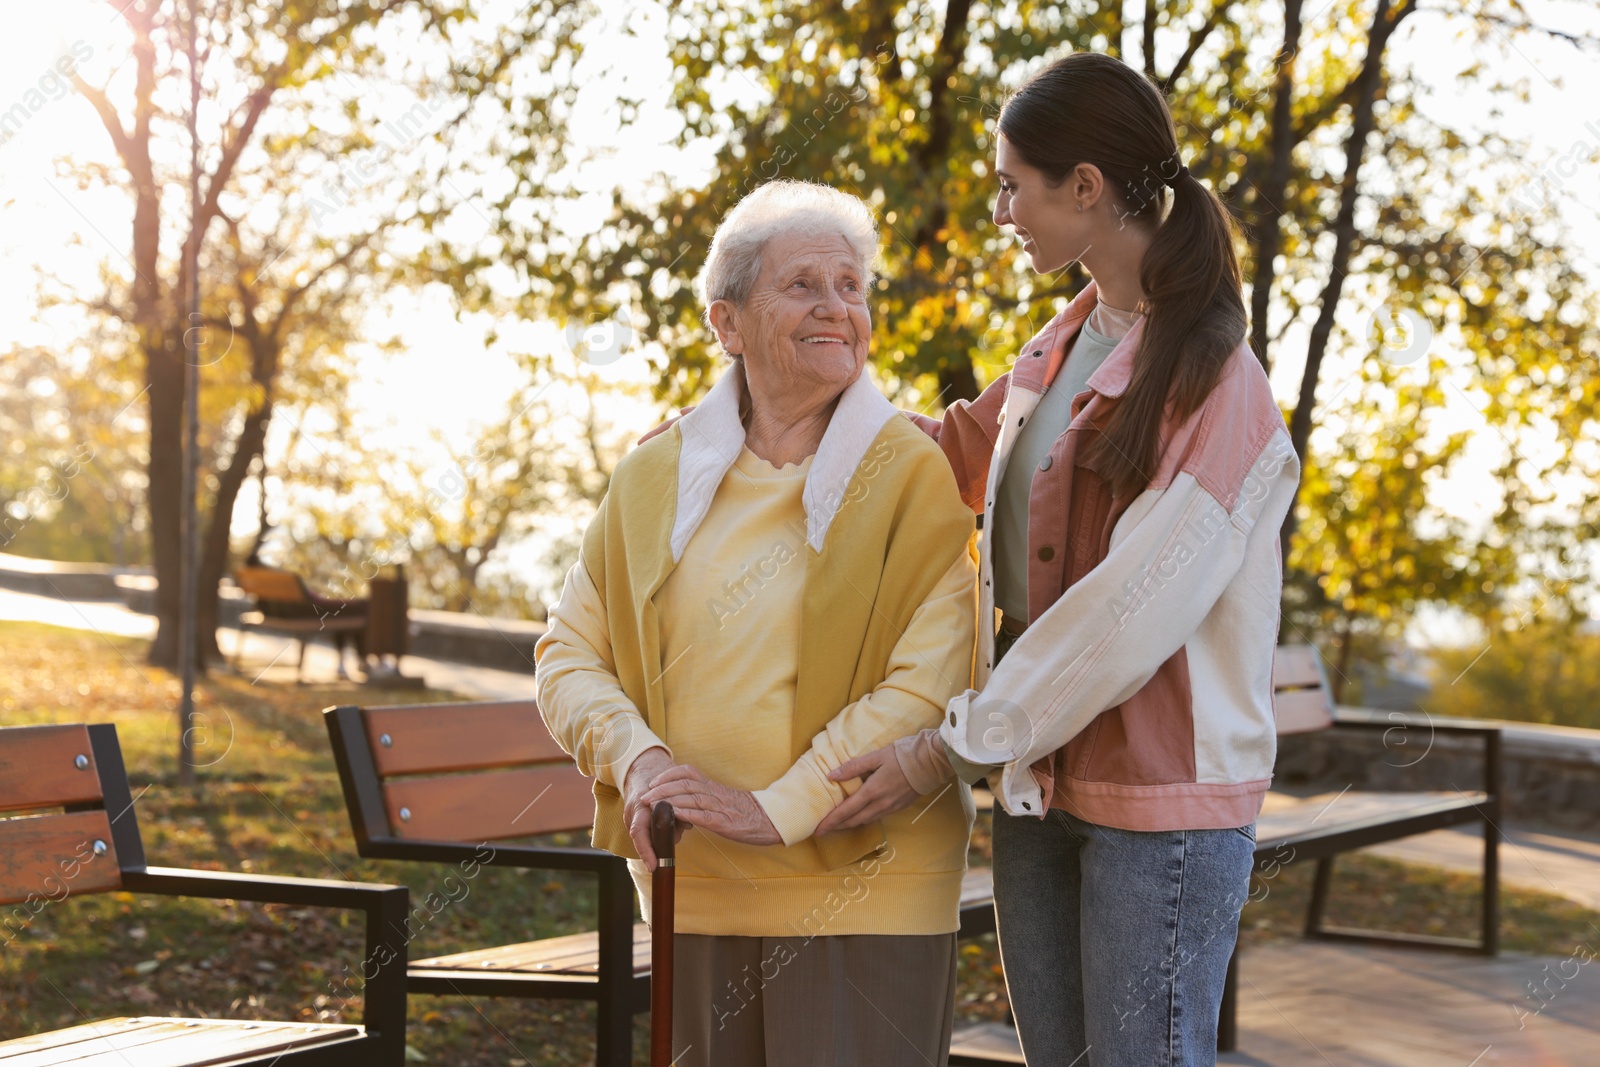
<point>1385,20</point>
<point>1267,225</point>
<point>1196,40</point>
<point>108,118</point>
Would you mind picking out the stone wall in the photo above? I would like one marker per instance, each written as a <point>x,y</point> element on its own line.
<point>1549,774</point>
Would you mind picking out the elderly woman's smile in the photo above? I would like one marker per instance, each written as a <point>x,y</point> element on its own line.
<point>806,319</point>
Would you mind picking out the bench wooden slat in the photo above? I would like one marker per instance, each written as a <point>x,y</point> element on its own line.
<point>311,625</point>
<point>60,1039</point>
<point>1295,667</point>
<point>269,583</point>
<point>457,737</point>
<point>1285,818</point>
<point>166,1042</point>
<point>1299,711</point>
<point>571,954</point>
<point>51,856</point>
<point>115,1037</point>
<point>977,887</point>
<point>988,1042</point>
<point>489,805</point>
<point>38,767</point>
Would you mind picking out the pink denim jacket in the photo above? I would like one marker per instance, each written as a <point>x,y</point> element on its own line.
<point>1140,695</point>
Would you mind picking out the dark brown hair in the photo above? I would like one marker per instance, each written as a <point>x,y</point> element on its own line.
<point>1092,108</point>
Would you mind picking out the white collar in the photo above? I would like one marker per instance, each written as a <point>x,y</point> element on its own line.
<point>712,437</point>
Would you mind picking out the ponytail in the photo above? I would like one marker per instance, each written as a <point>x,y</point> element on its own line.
<point>1194,314</point>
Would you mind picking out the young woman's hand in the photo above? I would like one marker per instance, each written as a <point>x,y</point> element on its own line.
<point>723,810</point>
<point>665,426</point>
<point>885,791</point>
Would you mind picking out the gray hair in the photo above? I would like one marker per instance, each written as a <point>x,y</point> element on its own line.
<point>777,208</point>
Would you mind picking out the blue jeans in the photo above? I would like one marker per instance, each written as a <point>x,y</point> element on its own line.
<point>1116,942</point>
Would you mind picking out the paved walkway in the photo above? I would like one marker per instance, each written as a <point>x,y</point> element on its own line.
<point>268,658</point>
<point>1567,863</point>
<point>1305,1004</point>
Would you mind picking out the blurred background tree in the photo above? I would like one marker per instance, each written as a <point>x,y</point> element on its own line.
<point>1545,671</point>
<point>1355,204</point>
<point>72,467</point>
<point>290,251</point>
<point>538,470</point>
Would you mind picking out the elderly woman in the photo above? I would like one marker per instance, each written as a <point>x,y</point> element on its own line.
<point>779,583</point>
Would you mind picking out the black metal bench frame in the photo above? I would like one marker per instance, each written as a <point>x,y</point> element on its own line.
<point>1324,846</point>
<point>617,992</point>
<point>382,1042</point>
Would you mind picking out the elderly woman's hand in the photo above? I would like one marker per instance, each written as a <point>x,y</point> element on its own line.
<point>723,810</point>
<point>646,768</point>
<point>885,791</point>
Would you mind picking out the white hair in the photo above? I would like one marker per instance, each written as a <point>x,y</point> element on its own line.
<point>777,208</point>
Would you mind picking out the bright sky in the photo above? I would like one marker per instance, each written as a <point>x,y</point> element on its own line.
<point>448,379</point>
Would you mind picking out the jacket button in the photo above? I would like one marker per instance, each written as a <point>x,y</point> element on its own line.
<point>952,718</point>
<point>1044,464</point>
<point>1036,355</point>
<point>1047,553</point>
<point>1026,806</point>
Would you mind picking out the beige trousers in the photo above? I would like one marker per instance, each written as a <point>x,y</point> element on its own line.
<point>869,1000</point>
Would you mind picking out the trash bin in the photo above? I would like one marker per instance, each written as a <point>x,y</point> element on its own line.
<point>388,627</point>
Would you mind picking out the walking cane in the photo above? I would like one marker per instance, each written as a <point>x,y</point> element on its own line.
<point>661,887</point>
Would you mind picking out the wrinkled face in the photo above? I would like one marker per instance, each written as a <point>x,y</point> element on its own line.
<point>1053,231</point>
<point>805,323</point>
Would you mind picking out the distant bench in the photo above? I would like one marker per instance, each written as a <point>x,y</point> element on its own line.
<point>284,605</point>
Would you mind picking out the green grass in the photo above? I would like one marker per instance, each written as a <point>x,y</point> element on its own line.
<point>269,801</point>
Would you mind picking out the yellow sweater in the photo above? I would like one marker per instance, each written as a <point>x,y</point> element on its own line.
<point>730,615</point>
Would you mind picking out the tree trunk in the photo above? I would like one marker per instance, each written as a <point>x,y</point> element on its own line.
<point>957,383</point>
<point>214,550</point>
<point>1342,671</point>
<point>1147,29</point>
<point>164,376</point>
<point>1269,199</point>
<point>1344,229</point>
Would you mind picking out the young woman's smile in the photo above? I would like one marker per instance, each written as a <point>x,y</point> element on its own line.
<point>1049,219</point>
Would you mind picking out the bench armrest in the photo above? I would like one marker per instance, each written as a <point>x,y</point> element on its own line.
<point>1488,733</point>
<point>261,889</point>
<point>1463,727</point>
<point>491,855</point>
<point>383,967</point>
<point>615,911</point>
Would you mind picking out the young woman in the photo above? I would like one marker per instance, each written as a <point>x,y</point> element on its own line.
<point>1133,470</point>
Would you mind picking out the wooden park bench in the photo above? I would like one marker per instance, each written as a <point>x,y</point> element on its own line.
<point>1294,829</point>
<point>71,830</point>
<point>1319,828</point>
<point>284,605</point>
<point>438,782</point>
